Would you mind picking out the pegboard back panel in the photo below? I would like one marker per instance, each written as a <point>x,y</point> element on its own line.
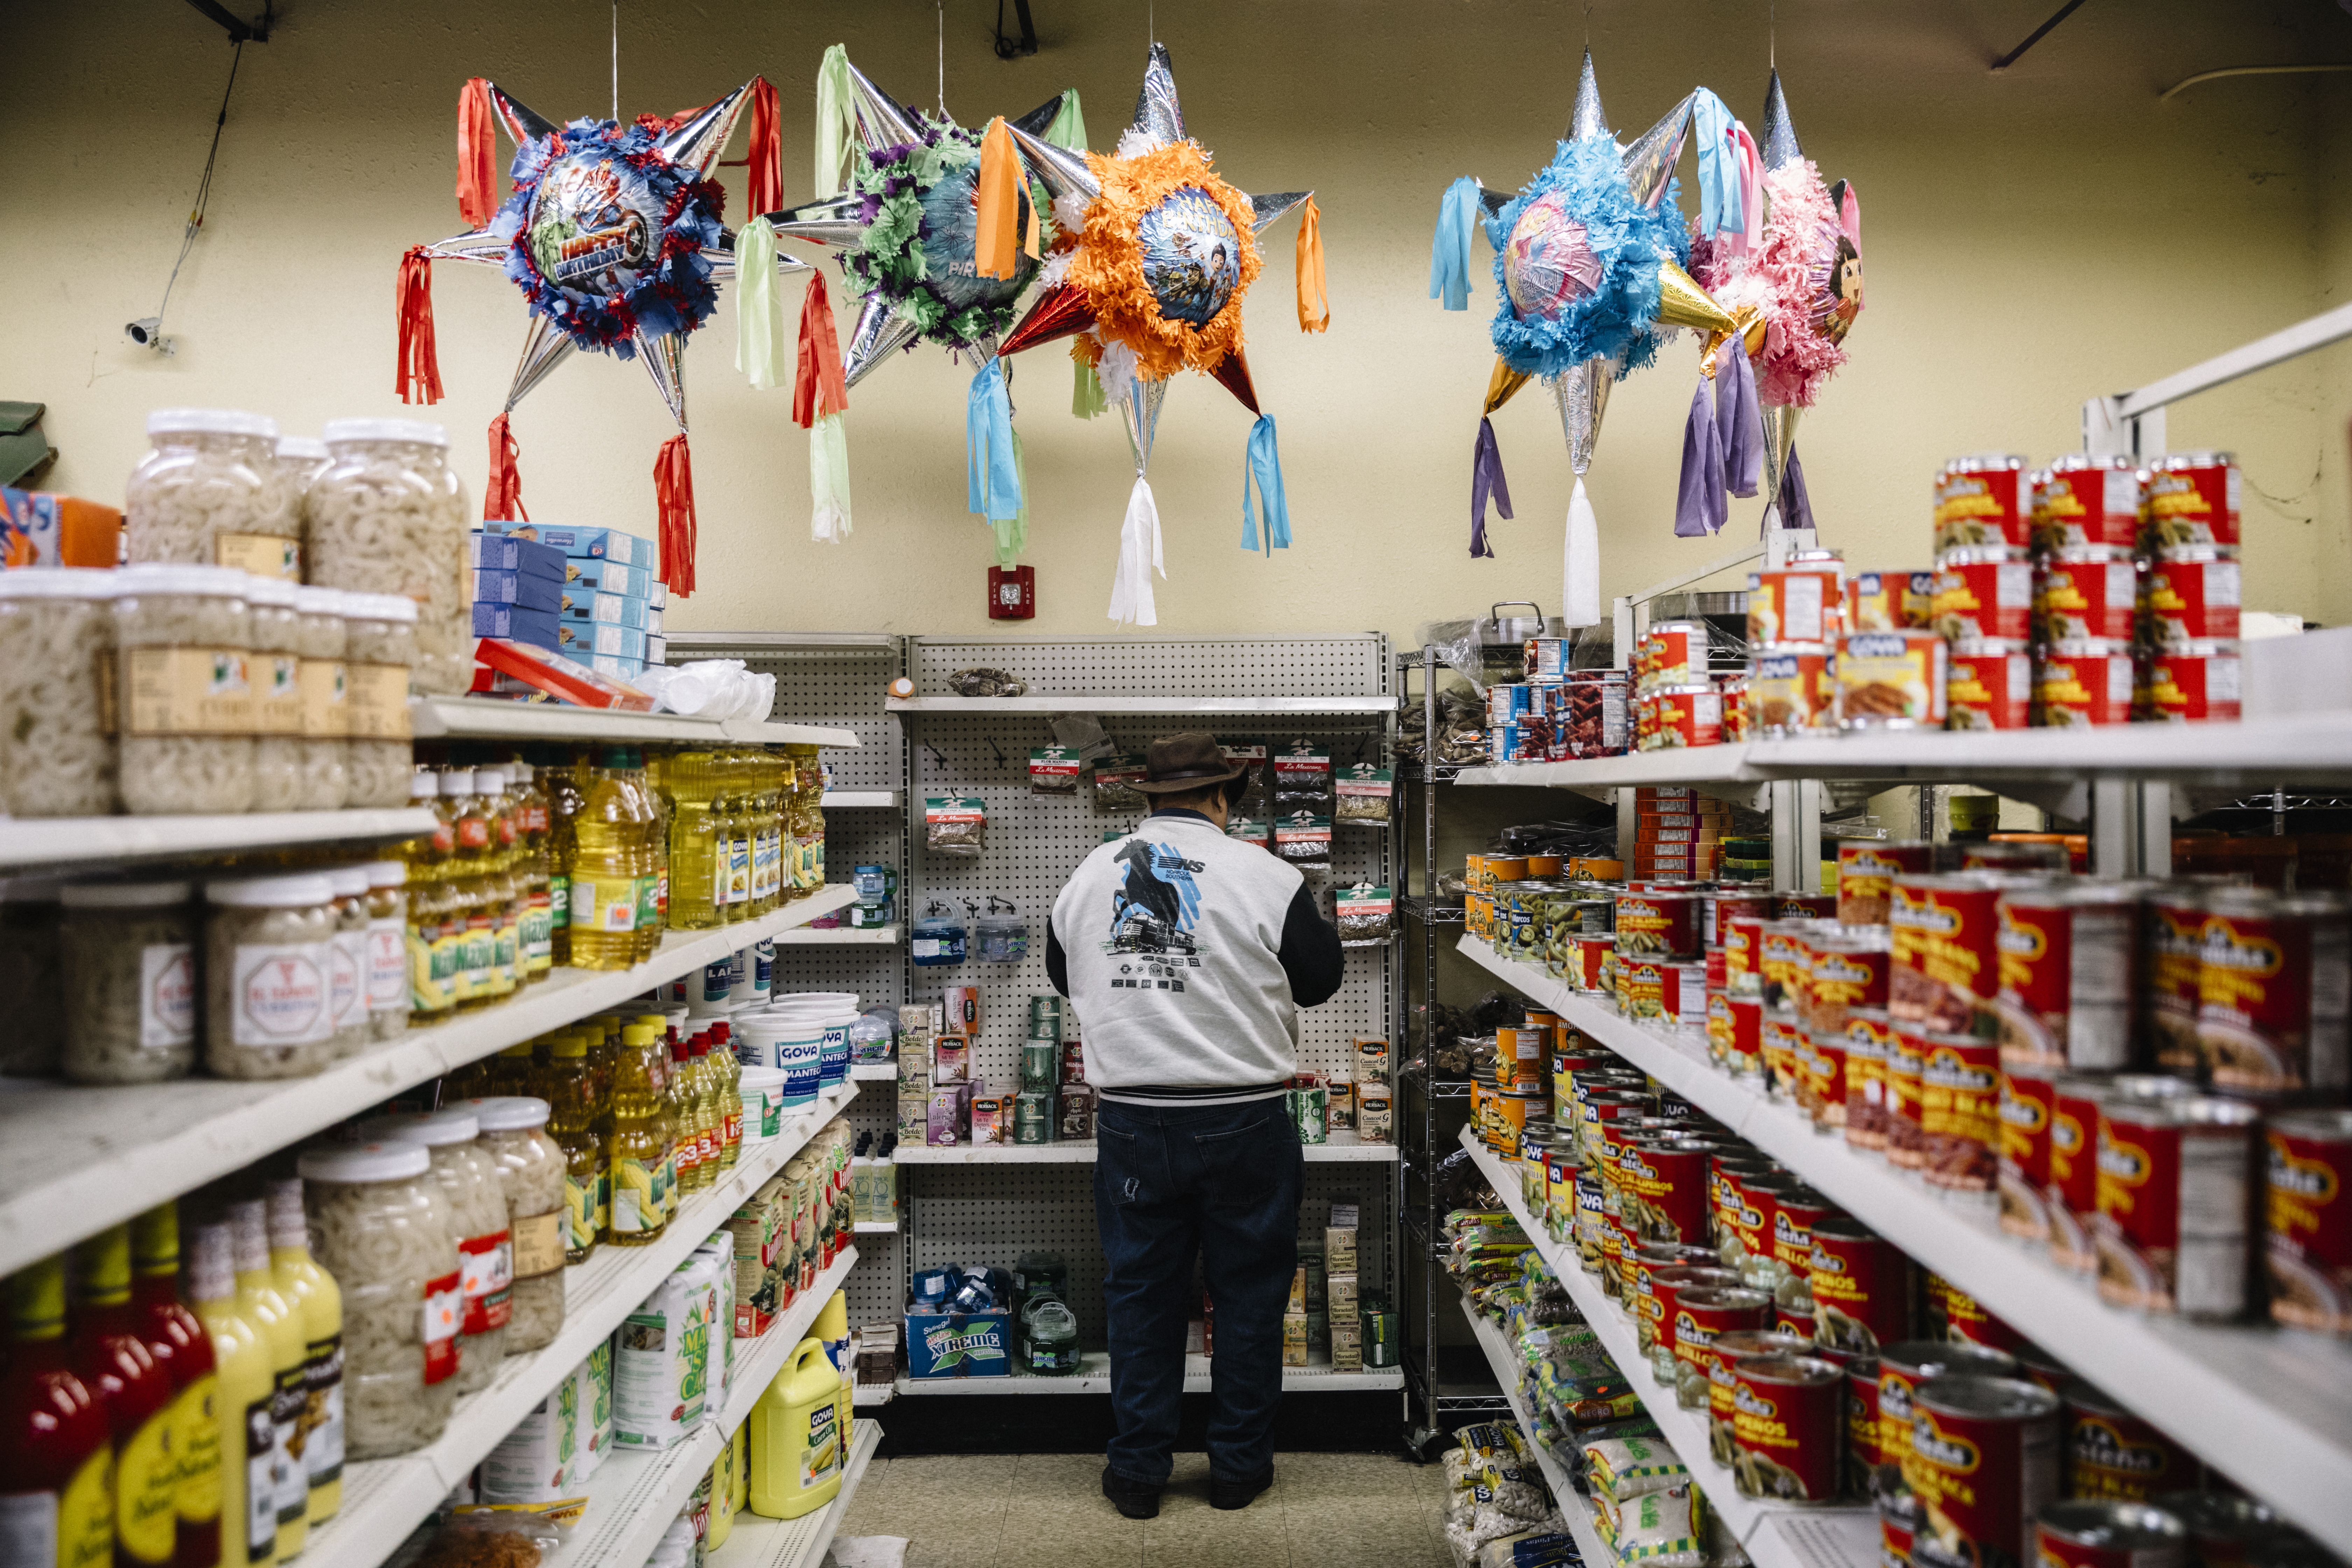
<point>983,1216</point>
<point>840,686</point>
<point>1035,841</point>
<point>1340,666</point>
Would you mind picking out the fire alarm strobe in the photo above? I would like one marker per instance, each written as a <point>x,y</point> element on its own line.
<point>1011,593</point>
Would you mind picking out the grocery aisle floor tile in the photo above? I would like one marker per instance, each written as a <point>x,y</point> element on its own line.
<point>1325,1510</point>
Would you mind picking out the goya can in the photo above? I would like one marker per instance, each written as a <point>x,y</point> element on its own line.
<point>1985,591</point>
<point>2274,971</point>
<point>2175,1192</point>
<point>2309,1225</point>
<point>2087,591</point>
<point>1985,498</point>
<point>2082,500</point>
<point>1803,602</point>
<point>1788,1421</point>
<point>1684,716</point>
<point>2193,596</point>
<point>2112,1454</point>
<point>2084,682</point>
<point>1892,680</point>
<point>2069,976</point>
<point>1985,1460</point>
<point>1863,1285</point>
<point>1905,1365</point>
<point>2028,1104</point>
<point>2189,682</point>
<point>1677,654</point>
<point>2191,498</point>
<point>1790,691</point>
<point>1874,602</point>
<point>1959,1112</point>
<point>1989,686</point>
<point>2082,1532</point>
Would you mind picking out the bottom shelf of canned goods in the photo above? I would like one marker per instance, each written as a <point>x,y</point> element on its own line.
<point>2269,1409</point>
<point>1775,1535</point>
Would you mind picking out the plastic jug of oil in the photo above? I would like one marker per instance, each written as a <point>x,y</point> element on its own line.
<point>796,1438</point>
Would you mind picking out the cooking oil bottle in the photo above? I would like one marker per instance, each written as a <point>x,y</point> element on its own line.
<point>558,775</point>
<point>653,895</point>
<point>696,874</point>
<point>509,898</point>
<point>808,819</point>
<point>797,1437</point>
<point>655,778</point>
<point>640,1201</point>
<point>569,1112</point>
<point>610,882</point>
<point>710,1119</point>
<point>537,956</point>
<point>768,855</point>
<point>432,989</point>
<point>318,1303</point>
<point>677,1106</point>
<point>659,1049</point>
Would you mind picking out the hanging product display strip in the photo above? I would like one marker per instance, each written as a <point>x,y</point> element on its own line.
<point>2268,1408</point>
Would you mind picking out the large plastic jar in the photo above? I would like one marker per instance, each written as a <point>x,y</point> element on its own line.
<point>388,516</point>
<point>183,676</point>
<point>387,949</point>
<point>31,1000</point>
<point>303,458</point>
<point>531,1173</point>
<point>348,986</point>
<point>275,671</point>
<point>127,964</point>
<point>211,493</point>
<point>477,1208</point>
<point>321,641</point>
<point>379,649</point>
<point>268,976</point>
<point>56,631</point>
<point>380,1225</point>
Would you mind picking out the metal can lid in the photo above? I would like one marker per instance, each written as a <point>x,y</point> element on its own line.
<point>2196,555</point>
<point>2175,460</point>
<point>1981,555</point>
<point>1984,462</point>
<point>2118,1526</point>
<point>1801,1370</point>
<point>2220,647</point>
<point>2076,462</point>
<point>1990,648</point>
<point>2091,648</point>
<point>2092,554</point>
<point>1936,1358</point>
<point>1987,1399</point>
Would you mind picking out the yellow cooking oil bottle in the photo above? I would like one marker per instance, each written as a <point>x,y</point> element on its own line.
<point>607,867</point>
<point>635,1155</point>
<point>433,946</point>
<point>797,1437</point>
<point>831,1330</point>
<point>696,860</point>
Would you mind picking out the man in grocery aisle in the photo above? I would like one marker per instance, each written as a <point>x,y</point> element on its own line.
<point>1187,955</point>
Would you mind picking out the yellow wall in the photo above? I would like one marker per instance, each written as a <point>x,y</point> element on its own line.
<point>2029,239</point>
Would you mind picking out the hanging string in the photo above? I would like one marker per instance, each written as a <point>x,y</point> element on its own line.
<point>942,17</point>
<point>616,61</point>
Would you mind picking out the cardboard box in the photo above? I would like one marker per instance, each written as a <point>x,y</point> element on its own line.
<point>990,1122</point>
<point>915,1060</point>
<point>539,628</point>
<point>653,619</point>
<point>498,552</point>
<point>958,1344</point>
<point>597,545</point>
<point>951,1060</point>
<point>1297,1292</point>
<point>1343,1295</point>
<point>1347,1344</point>
<point>949,1117</point>
<point>617,667</point>
<point>1339,1249</point>
<point>914,1114</point>
<point>586,605</point>
<point>1310,1263</point>
<point>596,637</point>
<point>608,576</point>
<point>1294,1339</point>
<point>516,588</point>
<point>656,648</point>
<point>1318,1331</point>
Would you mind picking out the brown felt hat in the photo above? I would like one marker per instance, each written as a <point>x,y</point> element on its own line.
<point>1178,764</point>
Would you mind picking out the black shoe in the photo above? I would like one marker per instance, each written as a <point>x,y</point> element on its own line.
<point>1231,1494</point>
<point>1133,1498</point>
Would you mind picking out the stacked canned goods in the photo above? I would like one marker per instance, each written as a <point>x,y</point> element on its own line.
<point>1574,713</point>
<point>1678,699</point>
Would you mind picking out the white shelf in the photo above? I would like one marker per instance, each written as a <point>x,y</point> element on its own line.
<point>1093,1376</point>
<point>843,936</point>
<point>634,1496</point>
<point>2270,1408</point>
<point>491,717</point>
<point>1775,1535</point>
<point>801,1543</point>
<point>874,1395</point>
<point>877,1227</point>
<point>796,642</point>
<point>1574,1506</point>
<point>874,1072</point>
<point>2310,747</point>
<point>384,1500</point>
<point>856,799</point>
<point>1081,703</point>
<point>65,843</point>
<point>153,1141</point>
<point>1342,1148</point>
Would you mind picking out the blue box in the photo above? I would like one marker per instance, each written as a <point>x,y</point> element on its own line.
<point>653,620</point>
<point>617,667</point>
<point>607,578</point>
<point>605,609</point>
<point>541,628</point>
<point>519,589</point>
<point>515,553</point>
<point>598,544</point>
<point>656,648</point>
<point>660,595</point>
<point>582,638</point>
<point>958,1344</point>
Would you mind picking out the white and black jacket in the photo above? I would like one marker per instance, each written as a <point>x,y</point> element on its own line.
<point>1187,955</point>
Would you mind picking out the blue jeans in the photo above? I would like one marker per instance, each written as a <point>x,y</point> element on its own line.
<point>1222,1180</point>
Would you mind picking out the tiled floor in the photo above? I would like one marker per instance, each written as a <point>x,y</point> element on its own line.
<point>1326,1510</point>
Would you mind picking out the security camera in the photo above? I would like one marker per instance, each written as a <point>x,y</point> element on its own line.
<point>148,333</point>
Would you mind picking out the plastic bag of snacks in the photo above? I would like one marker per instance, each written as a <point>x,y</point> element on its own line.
<point>955,824</point>
<point>1363,795</point>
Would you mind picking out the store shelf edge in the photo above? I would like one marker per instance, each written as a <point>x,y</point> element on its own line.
<point>798,1543</point>
<point>153,1141</point>
<point>88,843</point>
<point>2272,1409</point>
<point>1081,702</point>
<point>1574,1506</point>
